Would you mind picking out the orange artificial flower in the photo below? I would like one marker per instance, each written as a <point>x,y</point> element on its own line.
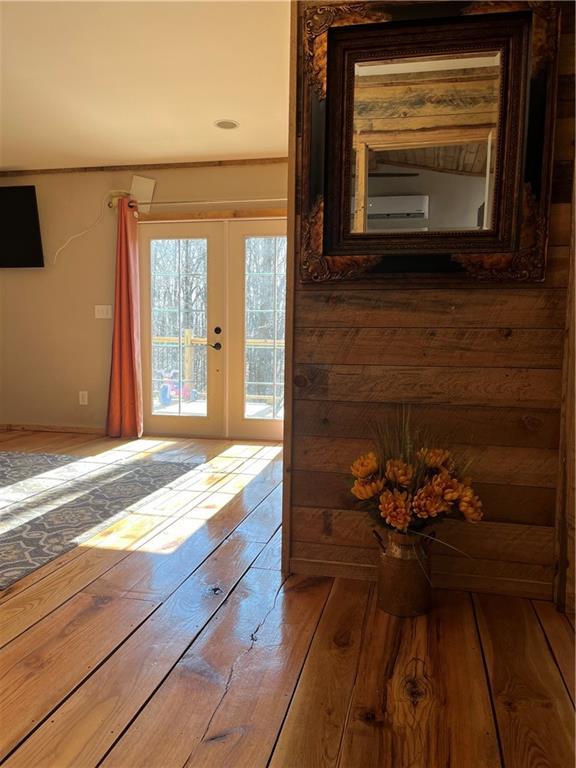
<point>397,471</point>
<point>435,458</point>
<point>366,489</point>
<point>428,503</point>
<point>446,486</point>
<point>470,505</point>
<point>365,465</point>
<point>395,509</point>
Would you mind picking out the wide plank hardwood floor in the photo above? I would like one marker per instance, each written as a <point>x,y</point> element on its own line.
<point>170,640</point>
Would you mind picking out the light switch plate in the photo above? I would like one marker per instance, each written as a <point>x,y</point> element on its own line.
<point>103,311</point>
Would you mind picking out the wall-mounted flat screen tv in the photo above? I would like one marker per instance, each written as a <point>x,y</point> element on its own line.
<point>20,240</point>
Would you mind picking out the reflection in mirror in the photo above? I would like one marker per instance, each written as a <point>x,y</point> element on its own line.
<point>425,143</point>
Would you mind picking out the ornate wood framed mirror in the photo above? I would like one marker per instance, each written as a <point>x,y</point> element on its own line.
<point>426,139</point>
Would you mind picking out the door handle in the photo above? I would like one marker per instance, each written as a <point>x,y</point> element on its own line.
<point>216,346</point>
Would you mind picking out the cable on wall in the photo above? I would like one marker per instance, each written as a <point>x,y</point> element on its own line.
<point>84,231</point>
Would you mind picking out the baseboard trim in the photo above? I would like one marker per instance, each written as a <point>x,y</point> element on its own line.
<point>52,428</point>
<point>531,590</point>
<point>535,590</point>
<point>335,569</point>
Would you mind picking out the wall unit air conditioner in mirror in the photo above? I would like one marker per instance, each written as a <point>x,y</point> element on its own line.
<point>397,212</point>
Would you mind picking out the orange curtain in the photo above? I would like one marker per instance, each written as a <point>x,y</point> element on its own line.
<point>125,398</point>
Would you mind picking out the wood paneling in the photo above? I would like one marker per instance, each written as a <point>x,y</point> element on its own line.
<point>536,467</point>
<point>566,58</point>
<point>569,456</point>
<point>529,387</point>
<point>519,555</point>
<point>490,556</point>
<point>557,269</point>
<point>331,568</point>
<point>484,425</point>
<point>560,223</point>
<point>492,348</point>
<point>565,103</point>
<point>474,307</point>
<point>501,503</point>
<point>481,366</point>
<point>566,497</point>
<point>453,98</point>
<point>344,527</point>
<point>291,281</point>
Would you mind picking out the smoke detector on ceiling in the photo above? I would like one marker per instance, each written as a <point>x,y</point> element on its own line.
<point>226,124</point>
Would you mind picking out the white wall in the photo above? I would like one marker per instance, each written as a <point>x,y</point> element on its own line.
<point>52,345</point>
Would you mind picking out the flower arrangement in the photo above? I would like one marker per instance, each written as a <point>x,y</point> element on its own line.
<point>408,485</point>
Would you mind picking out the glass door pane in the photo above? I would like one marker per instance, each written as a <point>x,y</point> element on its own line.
<point>183,300</point>
<point>256,289</point>
<point>179,299</point>
<point>264,320</point>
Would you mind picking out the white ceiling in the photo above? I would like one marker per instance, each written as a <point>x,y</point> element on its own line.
<point>114,83</point>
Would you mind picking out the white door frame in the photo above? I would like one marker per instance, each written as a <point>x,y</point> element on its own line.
<point>226,289</point>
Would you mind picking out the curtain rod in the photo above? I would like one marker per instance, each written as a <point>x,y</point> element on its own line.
<point>203,202</point>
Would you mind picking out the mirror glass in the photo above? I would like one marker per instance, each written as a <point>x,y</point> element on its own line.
<point>425,143</point>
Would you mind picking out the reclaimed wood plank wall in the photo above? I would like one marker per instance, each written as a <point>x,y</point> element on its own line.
<point>453,99</point>
<point>481,366</point>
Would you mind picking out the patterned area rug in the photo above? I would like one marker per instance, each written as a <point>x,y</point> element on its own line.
<point>51,503</point>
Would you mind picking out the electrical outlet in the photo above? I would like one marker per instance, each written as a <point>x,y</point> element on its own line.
<point>103,311</point>
<point>83,397</point>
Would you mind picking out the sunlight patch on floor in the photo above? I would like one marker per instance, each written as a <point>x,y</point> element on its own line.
<point>46,481</point>
<point>166,542</point>
<point>125,534</point>
<point>242,451</point>
<point>165,501</point>
<point>38,495</point>
<point>195,497</point>
<point>210,505</point>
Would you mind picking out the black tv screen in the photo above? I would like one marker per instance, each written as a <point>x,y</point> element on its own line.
<point>20,240</point>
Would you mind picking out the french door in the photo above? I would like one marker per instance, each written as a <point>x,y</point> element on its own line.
<point>213,315</point>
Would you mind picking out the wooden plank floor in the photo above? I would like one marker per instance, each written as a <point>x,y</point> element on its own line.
<point>171,640</point>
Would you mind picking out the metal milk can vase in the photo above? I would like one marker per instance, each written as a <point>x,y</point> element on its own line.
<point>404,587</point>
